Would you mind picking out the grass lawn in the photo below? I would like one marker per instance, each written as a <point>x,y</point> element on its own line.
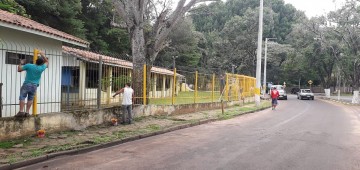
<point>187,98</point>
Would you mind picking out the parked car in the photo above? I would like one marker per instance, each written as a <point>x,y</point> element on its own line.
<point>281,90</point>
<point>295,90</point>
<point>305,94</point>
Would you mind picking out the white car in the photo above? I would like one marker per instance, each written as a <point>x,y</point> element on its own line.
<point>305,94</point>
<point>281,90</point>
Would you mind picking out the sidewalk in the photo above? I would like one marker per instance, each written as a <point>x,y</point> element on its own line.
<point>21,152</point>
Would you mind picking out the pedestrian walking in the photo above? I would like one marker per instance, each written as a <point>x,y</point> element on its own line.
<point>32,81</point>
<point>126,103</point>
<point>274,97</point>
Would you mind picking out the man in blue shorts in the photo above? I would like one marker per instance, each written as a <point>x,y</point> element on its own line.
<point>274,96</point>
<point>32,81</point>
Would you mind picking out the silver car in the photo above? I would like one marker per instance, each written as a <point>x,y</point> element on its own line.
<point>281,90</point>
<point>305,94</point>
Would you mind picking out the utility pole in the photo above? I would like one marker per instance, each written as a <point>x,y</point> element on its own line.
<point>258,58</point>
<point>338,82</point>
<point>233,69</point>
<point>265,63</point>
<point>174,57</point>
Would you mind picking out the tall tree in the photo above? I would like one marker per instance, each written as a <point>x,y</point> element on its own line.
<point>62,15</point>
<point>97,17</point>
<point>184,42</point>
<point>346,27</point>
<point>13,7</point>
<point>149,28</point>
<point>230,29</point>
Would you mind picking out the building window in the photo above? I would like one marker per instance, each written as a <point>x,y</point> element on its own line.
<point>14,58</point>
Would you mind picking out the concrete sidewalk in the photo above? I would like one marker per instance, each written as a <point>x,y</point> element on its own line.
<point>21,152</point>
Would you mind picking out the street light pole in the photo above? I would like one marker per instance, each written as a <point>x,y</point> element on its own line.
<point>258,58</point>
<point>265,63</point>
<point>338,83</point>
<point>233,69</point>
<point>174,57</point>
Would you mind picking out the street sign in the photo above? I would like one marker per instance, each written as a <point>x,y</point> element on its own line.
<point>310,82</point>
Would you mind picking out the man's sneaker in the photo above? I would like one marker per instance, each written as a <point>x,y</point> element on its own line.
<point>20,114</point>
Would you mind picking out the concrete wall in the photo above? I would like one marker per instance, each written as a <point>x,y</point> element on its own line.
<point>11,128</point>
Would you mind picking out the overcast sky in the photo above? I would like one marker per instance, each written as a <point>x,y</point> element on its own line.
<point>316,7</point>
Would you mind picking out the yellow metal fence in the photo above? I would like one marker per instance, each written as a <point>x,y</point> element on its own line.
<point>194,87</point>
<point>79,79</point>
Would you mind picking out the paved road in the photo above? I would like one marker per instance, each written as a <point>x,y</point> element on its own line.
<point>300,134</point>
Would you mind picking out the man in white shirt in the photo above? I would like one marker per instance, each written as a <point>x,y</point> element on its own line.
<point>127,102</point>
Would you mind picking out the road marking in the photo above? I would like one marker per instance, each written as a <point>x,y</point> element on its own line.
<point>294,117</point>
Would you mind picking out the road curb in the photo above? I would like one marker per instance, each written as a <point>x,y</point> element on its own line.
<point>113,143</point>
<point>28,162</point>
<point>337,101</point>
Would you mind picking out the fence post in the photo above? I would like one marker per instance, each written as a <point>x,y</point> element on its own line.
<point>154,84</point>
<point>82,84</point>
<point>109,84</point>
<point>163,88</point>
<point>227,87</point>
<point>34,110</point>
<point>1,103</point>
<point>213,88</point>
<point>144,85</point>
<point>99,83</point>
<point>196,85</point>
<point>173,89</point>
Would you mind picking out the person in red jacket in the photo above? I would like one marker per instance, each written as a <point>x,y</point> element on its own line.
<point>274,97</point>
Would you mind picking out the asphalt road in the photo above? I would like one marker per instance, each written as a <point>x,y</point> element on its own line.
<point>300,134</point>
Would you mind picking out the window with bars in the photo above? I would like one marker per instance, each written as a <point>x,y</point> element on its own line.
<point>14,58</point>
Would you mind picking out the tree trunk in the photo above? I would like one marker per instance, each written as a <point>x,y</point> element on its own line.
<point>148,82</point>
<point>138,53</point>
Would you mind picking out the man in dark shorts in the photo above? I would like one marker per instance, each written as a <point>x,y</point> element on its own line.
<point>274,96</point>
<point>32,81</point>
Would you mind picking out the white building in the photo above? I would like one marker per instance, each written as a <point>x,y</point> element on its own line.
<point>80,77</point>
<point>71,80</point>
<point>19,36</point>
